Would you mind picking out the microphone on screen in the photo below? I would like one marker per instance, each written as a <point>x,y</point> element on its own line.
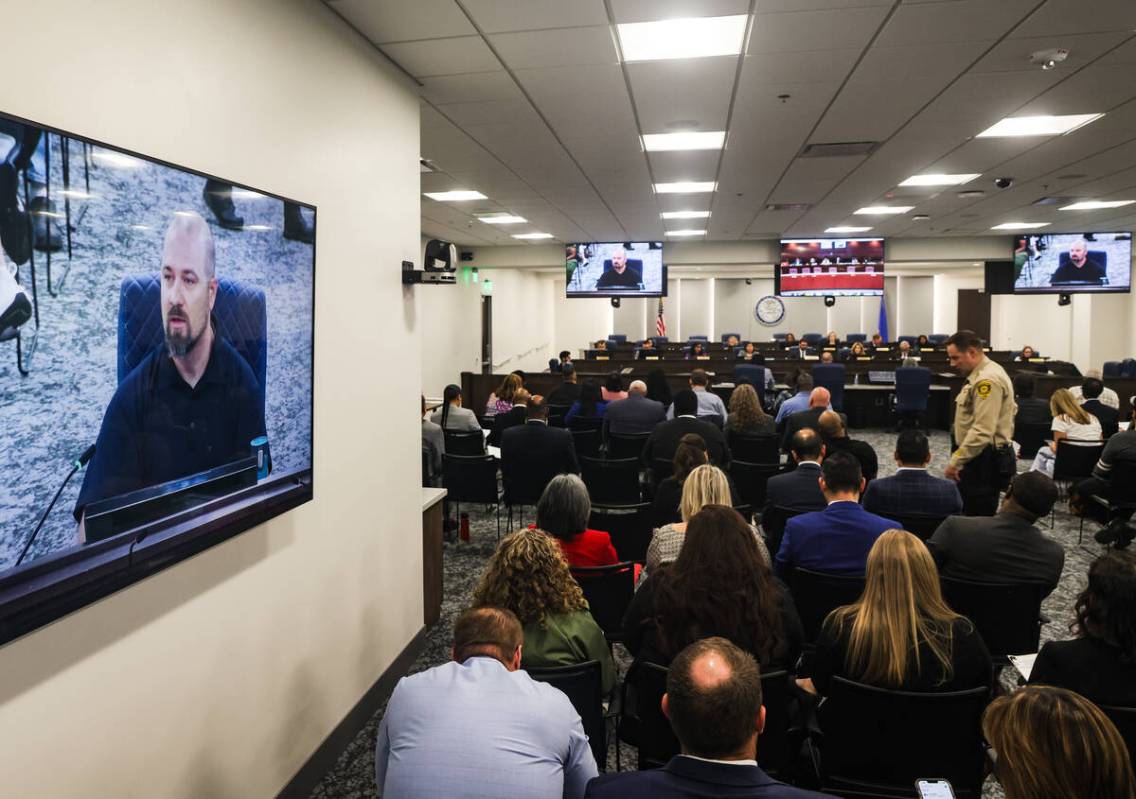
<point>76,465</point>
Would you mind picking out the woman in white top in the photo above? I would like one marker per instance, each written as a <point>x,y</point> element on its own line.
<point>1071,423</point>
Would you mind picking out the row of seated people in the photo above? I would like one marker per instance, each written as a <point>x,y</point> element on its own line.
<point>716,618</point>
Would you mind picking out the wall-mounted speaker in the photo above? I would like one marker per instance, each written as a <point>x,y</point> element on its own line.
<point>1064,299</point>
<point>829,302</point>
<point>615,302</point>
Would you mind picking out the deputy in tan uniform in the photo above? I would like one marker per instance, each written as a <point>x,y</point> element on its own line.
<point>984,427</point>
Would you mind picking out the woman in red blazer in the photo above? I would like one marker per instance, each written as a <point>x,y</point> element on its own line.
<point>563,513</point>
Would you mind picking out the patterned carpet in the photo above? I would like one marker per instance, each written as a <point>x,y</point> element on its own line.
<point>353,776</point>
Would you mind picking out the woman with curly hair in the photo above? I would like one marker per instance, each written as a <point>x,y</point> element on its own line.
<point>746,414</point>
<point>719,585</point>
<point>1100,662</point>
<point>528,575</point>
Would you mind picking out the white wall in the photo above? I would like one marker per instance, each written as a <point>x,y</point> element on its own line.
<point>634,317</point>
<point>945,310</point>
<point>523,328</point>
<point>450,314</point>
<point>696,315</point>
<point>916,298</point>
<point>219,676</point>
<point>577,323</point>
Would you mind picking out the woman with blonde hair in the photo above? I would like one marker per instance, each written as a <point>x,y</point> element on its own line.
<point>1071,423</point>
<point>900,634</point>
<point>528,575</point>
<point>705,485</point>
<point>746,414</point>
<point>1050,743</point>
<point>502,400</point>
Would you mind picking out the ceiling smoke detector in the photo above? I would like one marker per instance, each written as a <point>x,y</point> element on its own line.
<point>1048,59</point>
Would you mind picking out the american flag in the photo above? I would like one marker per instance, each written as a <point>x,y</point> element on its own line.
<point>660,322</point>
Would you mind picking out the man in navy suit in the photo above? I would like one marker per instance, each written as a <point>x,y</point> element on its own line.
<point>837,539</point>
<point>713,701</point>
<point>911,490</point>
<point>799,489</point>
<point>533,452</point>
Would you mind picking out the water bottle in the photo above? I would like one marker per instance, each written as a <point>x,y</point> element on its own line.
<point>464,527</point>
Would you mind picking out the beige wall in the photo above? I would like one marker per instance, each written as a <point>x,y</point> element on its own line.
<point>219,676</point>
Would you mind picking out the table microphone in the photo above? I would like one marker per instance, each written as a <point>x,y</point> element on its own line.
<point>76,465</point>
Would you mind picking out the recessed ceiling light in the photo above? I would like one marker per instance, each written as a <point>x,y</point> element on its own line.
<point>1038,126</point>
<point>685,214</point>
<point>696,37</point>
<point>502,219</point>
<point>883,210</point>
<point>686,232</point>
<point>939,180</point>
<point>686,140</point>
<point>1093,205</point>
<point>456,196</point>
<point>532,235</point>
<point>1020,225</point>
<point>685,187</point>
<point>846,229</point>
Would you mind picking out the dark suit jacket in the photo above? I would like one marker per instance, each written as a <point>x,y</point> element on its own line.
<point>797,489</point>
<point>564,394</point>
<point>1032,410</point>
<point>503,421</point>
<point>665,437</point>
<point>1088,666</point>
<point>860,450</point>
<point>835,540</point>
<point>799,421</point>
<point>534,452</point>
<point>687,778</point>
<point>635,414</point>
<point>1004,548</point>
<point>913,492</point>
<point>1109,418</point>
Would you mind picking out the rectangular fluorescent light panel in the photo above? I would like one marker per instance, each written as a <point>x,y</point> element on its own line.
<point>686,232</point>
<point>688,140</point>
<point>1020,225</point>
<point>502,219</point>
<point>939,180</point>
<point>685,215</point>
<point>1093,205</point>
<point>697,37</point>
<point>456,196</point>
<point>1038,126</point>
<point>685,187</point>
<point>883,210</point>
<point>532,235</point>
<point>846,229</point>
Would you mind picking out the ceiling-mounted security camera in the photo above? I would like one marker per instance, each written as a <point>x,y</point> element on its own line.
<point>1048,59</point>
<point>1003,183</point>
<point>615,302</point>
<point>749,282</point>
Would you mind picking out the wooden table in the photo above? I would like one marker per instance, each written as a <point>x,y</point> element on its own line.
<point>432,518</point>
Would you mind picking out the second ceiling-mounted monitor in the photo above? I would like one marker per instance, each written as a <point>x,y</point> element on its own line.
<point>615,269</point>
<point>831,268</point>
<point>1072,263</point>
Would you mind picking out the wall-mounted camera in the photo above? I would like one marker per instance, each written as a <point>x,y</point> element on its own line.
<point>615,302</point>
<point>829,302</point>
<point>1064,299</point>
<point>1003,183</point>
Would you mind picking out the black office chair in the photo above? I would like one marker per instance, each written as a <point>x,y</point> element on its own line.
<point>922,526</point>
<point>464,443</point>
<point>586,442</point>
<point>1125,720</point>
<point>755,374</point>
<point>661,469</point>
<point>1030,437</point>
<point>1006,615</point>
<point>556,414</point>
<point>754,449</point>
<point>609,590</point>
<point>877,741</point>
<point>641,722</point>
<point>1119,503</point>
<point>629,526</point>
<point>773,521</point>
<point>626,445</point>
<point>585,423</point>
<point>472,478</point>
<point>523,489</point>
<point>1075,462</point>
<point>751,479</point>
<point>582,683</point>
<point>816,594</point>
<point>611,482</point>
<point>912,390</point>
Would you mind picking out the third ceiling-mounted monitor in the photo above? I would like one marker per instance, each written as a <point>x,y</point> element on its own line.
<point>615,269</point>
<point>1072,263</point>
<point>831,268</point>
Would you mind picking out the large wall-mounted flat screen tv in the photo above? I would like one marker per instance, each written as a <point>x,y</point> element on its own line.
<point>615,269</point>
<point>830,268</point>
<point>1070,263</point>
<point>156,339</point>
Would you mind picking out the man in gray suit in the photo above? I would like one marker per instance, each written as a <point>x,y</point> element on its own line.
<point>636,413</point>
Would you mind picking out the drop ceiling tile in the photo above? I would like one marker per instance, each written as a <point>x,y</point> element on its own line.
<point>696,90</point>
<point>457,56</point>
<point>565,47</point>
<point>796,31</point>
<point>1094,89</point>
<point>773,6</point>
<point>957,21</point>
<point>774,69</point>
<point>1075,16</point>
<point>809,179</point>
<point>491,112</point>
<point>477,87</point>
<point>384,22</point>
<point>1013,55</point>
<point>683,166</point>
<point>497,16</point>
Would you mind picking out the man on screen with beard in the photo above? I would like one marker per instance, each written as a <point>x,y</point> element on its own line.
<point>190,405</point>
<point>1079,268</point>
<point>620,276</point>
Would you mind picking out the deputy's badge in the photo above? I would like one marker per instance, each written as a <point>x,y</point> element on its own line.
<point>982,388</point>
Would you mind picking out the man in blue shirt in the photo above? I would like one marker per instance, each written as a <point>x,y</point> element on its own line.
<point>837,539</point>
<point>193,403</point>
<point>797,402</point>
<point>709,404</point>
<point>479,726</point>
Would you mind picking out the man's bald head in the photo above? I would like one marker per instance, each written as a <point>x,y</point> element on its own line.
<point>188,283</point>
<point>807,445</point>
<point>189,242</point>
<point>713,700</point>
<point>831,425</point>
<point>637,387</point>
<point>820,397</point>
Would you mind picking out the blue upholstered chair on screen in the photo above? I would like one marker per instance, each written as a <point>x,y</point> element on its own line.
<point>938,339</point>
<point>726,337</point>
<point>831,376</point>
<point>854,337</point>
<point>619,338</point>
<point>912,390</point>
<point>1111,369</point>
<point>241,313</point>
